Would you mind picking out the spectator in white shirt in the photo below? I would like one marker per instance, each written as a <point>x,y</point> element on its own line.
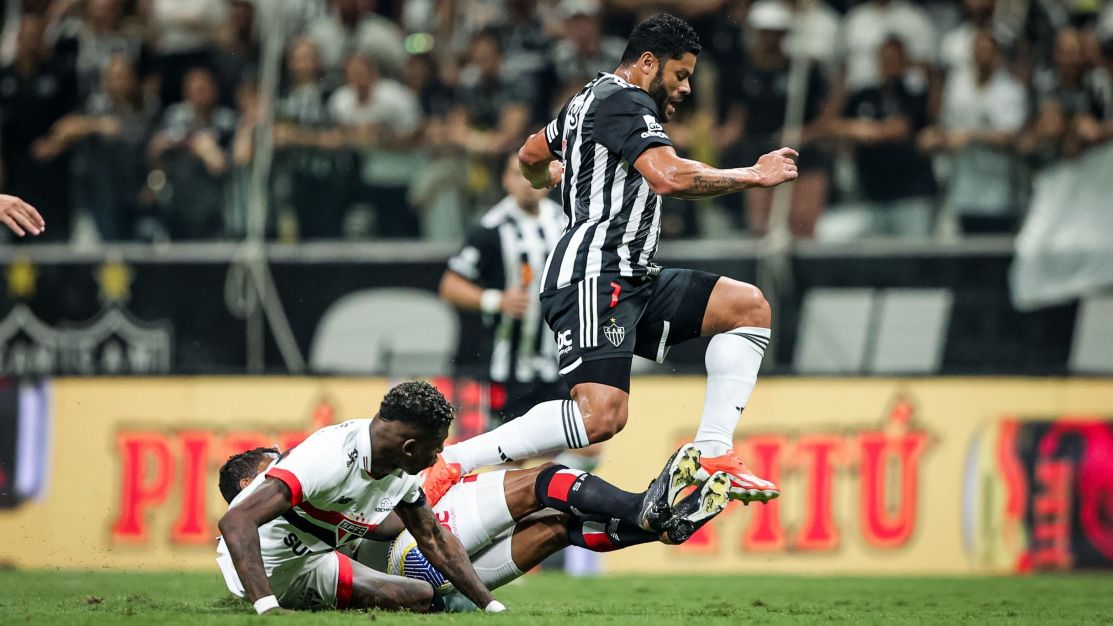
<point>187,31</point>
<point>382,119</point>
<point>869,24</point>
<point>984,109</point>
<point>352,26</point>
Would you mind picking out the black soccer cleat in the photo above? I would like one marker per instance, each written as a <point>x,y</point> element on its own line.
<point>695,510</point>
<point>656,511</point>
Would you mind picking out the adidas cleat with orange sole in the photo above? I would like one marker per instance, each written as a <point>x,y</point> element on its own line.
<point>744,485</point>
<point>438,479</point>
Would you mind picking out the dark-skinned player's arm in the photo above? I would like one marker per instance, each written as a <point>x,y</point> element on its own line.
<point>538,164</point>
<point>240,529</point>
<point>445,552</point>
<point>668,174</point>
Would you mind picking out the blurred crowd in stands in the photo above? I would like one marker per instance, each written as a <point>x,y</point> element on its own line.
<point>136,119</point>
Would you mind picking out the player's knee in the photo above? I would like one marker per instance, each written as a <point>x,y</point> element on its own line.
<point>607,423</point>
<point>750,307</point>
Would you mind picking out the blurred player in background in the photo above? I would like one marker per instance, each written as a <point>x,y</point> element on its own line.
<point>20,217</point>
<point>279,538</point>
<point>497,272</point>
<point>496,516</point>
<point>602,294</point>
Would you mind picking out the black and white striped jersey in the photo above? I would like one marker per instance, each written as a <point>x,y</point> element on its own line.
<point>507,248</point>
<point>614,219</point>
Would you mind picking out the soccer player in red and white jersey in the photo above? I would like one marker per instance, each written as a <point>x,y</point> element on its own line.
<point>281,533</point>
<point>495,516</point>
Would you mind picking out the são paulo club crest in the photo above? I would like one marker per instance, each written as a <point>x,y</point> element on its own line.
<point>614,333</point>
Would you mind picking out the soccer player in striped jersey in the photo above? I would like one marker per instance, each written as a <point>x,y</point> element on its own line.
<point>602,294</point>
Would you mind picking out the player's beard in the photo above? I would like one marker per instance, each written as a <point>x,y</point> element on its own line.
<point>660,94</point>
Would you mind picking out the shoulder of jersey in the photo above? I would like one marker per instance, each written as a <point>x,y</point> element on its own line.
<point>614,85</point>
<point>496,215</point>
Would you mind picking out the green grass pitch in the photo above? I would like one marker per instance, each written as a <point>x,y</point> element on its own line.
<point>165,599</point>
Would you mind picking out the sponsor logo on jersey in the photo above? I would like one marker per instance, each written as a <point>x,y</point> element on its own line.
<point>385,505</point>
<point>563,341</point>
<point>614,333</point>
<point>343,500</point>
<point>352,458</point>
<point>653,128</point>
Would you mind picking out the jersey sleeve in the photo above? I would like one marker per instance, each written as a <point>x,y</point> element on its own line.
<point>310,469</point>
<point>480,259</point>
<point>414,497</point>
<point>626,123</point>
<point>554,134</point>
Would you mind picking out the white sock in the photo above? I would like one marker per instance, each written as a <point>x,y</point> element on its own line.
<point>546,428</point>
<point>495,565</point>
<point>732,360</point>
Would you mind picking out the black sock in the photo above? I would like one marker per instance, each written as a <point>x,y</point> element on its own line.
<point>437,605</point>
<point>580,493</point>
<point>600,534</point>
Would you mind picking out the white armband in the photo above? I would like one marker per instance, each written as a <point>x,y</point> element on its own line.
<point>491,301</point>
<point>262,605</point>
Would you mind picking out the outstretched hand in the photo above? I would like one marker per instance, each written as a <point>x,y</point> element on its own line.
<point>20,217</point>
<point>776,167</point>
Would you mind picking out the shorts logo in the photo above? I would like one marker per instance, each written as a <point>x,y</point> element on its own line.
<point>563,341</point>
<point>614,333</point>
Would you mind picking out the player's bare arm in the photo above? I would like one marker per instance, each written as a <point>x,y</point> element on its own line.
<point>445,552</point>
<point>538,165</point>
<point>20,217</point>
<point>468,296</point>
<point>240,529</point>
<point>668,174</point>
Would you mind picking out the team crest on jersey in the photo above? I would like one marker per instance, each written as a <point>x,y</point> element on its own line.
<point>614,333</point>
<point>347,529</point>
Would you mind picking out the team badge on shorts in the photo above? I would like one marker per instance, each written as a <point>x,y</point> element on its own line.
<point>614,333</point>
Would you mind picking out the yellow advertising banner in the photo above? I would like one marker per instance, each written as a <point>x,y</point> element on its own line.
<point>878,475</point>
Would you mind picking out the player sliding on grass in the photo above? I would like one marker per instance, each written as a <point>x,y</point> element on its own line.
<point>494,516</point>
<point>602,294</point>
<point>279,537</point>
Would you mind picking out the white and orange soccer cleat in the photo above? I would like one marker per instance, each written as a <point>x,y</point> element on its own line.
<point>438,479</point>
<point>744,485</point>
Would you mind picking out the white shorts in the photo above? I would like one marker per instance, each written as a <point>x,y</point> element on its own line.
<point>474,510</point>
<point>314,581</point>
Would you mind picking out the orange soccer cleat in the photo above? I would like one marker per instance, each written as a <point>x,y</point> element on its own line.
<point>744,485</point>
<point>438,479</point>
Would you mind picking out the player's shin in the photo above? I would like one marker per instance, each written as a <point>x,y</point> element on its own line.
<point>733,359</point>
<point>602,534</point>
<point>580,493</point>
<point>546,428</point>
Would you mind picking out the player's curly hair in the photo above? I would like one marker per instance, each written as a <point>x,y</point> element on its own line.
<point>241,466</point>
<point>665,35</point>
<point>419,403</point>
